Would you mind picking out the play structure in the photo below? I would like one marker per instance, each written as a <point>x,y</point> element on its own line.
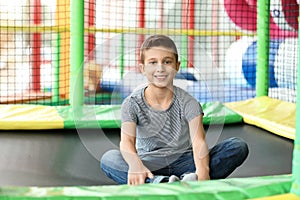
<point>65,66</point>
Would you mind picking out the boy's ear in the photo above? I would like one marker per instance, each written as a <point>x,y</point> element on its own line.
<point>141,67</point>
<point>177,65</point>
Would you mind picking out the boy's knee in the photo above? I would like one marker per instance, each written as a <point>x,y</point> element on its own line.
<point>241,143</point>
<point>109,157</point>
<point>241,146</point>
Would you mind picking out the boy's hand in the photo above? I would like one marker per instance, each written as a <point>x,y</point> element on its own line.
<point>138,176</point>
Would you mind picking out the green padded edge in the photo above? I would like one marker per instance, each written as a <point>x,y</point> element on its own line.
<point>231,188</point>
<point>217,113</point>
<point>90,116</point>
<point>108,116</point>
<point>296,166</point>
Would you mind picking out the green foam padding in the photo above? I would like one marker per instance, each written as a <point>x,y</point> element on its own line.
<point>231,188</point>
<point>296,166</point>
<point>217,113</point>
<point>108,116</point>
<point>89,116</point>
<point>92,116</point>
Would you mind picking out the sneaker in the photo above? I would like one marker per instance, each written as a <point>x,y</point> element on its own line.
<point>190,177</point>
<point>173,178</point>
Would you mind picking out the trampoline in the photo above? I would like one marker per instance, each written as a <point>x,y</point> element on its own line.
<point>60,158</point>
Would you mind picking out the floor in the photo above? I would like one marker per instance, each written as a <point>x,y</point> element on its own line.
<point>71,157</point>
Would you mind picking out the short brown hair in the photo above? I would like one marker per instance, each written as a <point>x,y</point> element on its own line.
<point>156,41</point>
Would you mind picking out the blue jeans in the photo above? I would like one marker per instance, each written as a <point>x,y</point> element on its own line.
<point>225,157</point>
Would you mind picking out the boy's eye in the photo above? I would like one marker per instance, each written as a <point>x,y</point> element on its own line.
<point>167,62</point>
<point>152,62</point>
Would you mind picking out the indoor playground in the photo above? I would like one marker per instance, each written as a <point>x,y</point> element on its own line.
<point>67,65</point>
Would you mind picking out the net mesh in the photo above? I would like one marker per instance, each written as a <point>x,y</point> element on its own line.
<point>216,40</point>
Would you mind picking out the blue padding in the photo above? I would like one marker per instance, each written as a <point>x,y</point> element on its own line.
<point>249,63</point>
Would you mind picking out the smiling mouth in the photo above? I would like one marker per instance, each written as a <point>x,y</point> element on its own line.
<point>160,76</point>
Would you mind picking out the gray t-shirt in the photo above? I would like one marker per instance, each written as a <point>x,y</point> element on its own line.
<point>161,133</point>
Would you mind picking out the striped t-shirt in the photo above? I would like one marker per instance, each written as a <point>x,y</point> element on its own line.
<point>161,133</point>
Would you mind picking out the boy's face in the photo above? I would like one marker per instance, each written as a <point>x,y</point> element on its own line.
<point>160,66</point>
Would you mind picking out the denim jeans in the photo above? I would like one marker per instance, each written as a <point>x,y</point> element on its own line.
<point>225,157</point>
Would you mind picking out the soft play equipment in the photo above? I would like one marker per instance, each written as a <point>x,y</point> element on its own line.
<point>285,14</point>
<point>234,62</point>
<point>262,111</point>
<point>249,61</point>
<point>241,61</point>
<point>243,14</point>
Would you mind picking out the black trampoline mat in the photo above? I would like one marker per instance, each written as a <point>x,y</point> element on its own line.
<point>71,157</point>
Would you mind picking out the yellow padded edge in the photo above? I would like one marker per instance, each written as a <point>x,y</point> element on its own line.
<point>20,117</point>
<point>288,196</point>
<point>274,115</point>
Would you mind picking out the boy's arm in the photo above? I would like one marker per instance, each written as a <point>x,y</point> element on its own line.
<point>137,172</point>
<point>200,149</point>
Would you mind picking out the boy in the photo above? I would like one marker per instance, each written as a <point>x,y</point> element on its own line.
<point>162,135</point>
